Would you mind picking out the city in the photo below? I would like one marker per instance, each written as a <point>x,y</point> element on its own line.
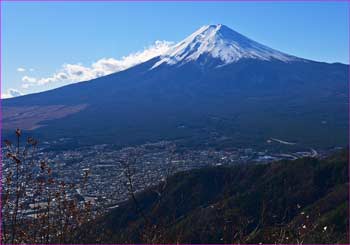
<point>151,163</point>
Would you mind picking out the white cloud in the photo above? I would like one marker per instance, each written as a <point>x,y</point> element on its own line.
<point>78,72</point>
<point>28,79</point>
<point>21,69</point>
<point>25,85</point>
<point>11,93</point>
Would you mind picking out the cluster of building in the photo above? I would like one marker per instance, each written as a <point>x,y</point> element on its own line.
<point>110,171</point>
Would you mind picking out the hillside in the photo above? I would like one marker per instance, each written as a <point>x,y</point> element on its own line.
<point>283,202</point>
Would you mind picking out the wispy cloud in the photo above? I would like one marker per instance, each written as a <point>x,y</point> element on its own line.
<point>21,69</point>
<point>28,79</point>
<point>78,72</point>
<point>11,93</point>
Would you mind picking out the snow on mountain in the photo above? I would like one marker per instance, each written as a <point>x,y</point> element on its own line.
<point>222,43</point>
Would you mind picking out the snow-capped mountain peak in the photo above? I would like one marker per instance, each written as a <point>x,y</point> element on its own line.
<point>222,43</point>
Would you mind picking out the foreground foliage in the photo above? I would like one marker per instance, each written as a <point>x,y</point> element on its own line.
<point>36,207</point>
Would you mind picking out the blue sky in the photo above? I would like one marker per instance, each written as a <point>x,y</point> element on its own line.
<point>43,42</point>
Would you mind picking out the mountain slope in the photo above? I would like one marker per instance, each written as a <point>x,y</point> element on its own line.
<point>283,202</point>
<point>221,85</point>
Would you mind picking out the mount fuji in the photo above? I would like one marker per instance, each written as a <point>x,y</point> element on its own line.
<point>215,87</point>
<point>222,43</point>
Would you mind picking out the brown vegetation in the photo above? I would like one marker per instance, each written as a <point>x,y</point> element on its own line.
<point>36,208</point>
<point>31,117</point>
